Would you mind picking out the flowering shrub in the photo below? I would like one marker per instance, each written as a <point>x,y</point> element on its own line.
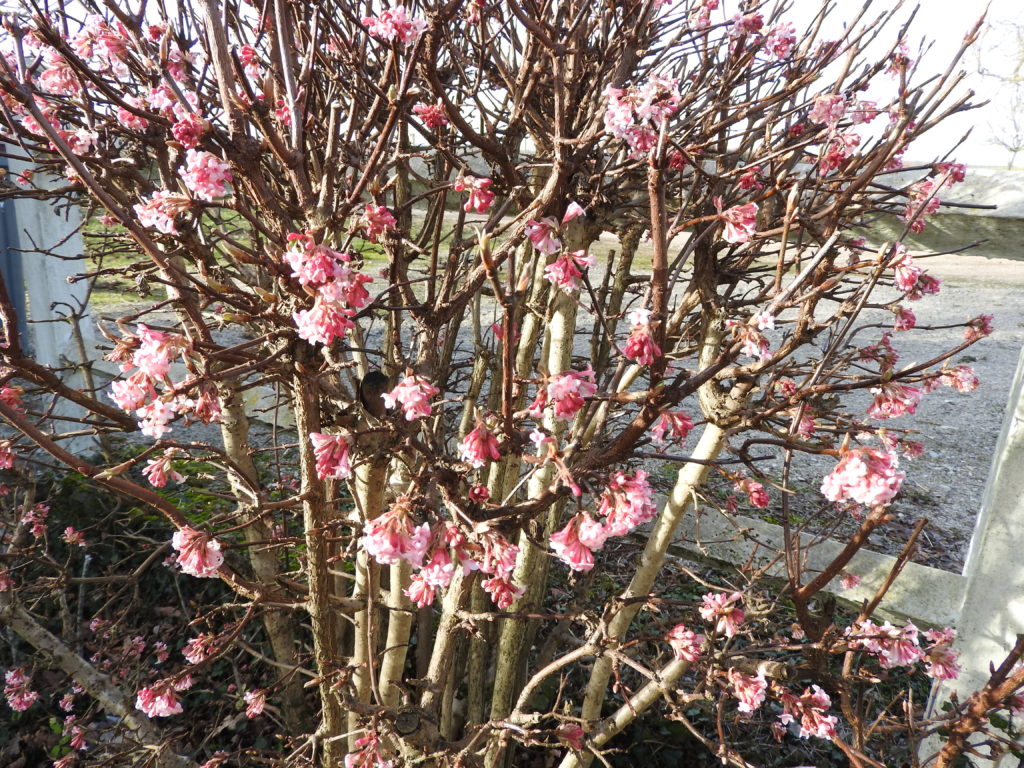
<point>393,222</point>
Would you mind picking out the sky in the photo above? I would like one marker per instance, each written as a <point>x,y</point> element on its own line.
<point>946,22</point>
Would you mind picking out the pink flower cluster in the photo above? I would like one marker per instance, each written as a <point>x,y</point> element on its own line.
<point>254,703</point>
<point>828,109</point>
<point>395,23</point>
<point>151,352</point>
<point>749,690</point>
<point>339,290</point>
<point>158,700</point>
<point>487,551</point>
<point>626,503</point>
<point>677,424</point>
<point>753,342</point>
<point>18,691</point>
<point>412,392</point>
<point>893,400</point>
<point>686,644</point>
<point>740,221</point>
<point>566,392</point>
<point>198,553</point>
<point>160,210</point>
<point>640,346</point>
<point>159,471</point>
<point>332,459</point>
<point>480,195</point>
<point>34,518</point>
<point>479,446</point>
<point>542,233</point>
<point>756,494</point>
<point>432,115</point>
<point>900,646</point>
<point>369,755</point>
<point>566,270</point>
<point>635,114</point>
<point>394,536</point>
<point>809,711</point>
<point>375,221</point>
<point>724,611</point>
<point>206,176</point>
<point>864,475</point>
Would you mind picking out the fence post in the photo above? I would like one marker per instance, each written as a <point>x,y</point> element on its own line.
<point>992,613</point>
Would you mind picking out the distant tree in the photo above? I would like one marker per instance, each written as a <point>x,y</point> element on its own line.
<point>997,40</point>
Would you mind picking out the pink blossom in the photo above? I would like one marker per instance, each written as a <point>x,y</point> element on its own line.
<point>198,553</point>
<point>941,661</point>
<point>479,446</point>
<point>198,649</point>
<point>863,112</point>
<point>73,537</point>
<point>962,378</point>
<point>571,733</point>
<point>746,25</point>
<point>480,196</point>
<point>849,580</point>
<point>906,320</point>
<point>893,400</point>
<point>432,115</point>
<point>254,703</point>
<point>567,546</point>
<point>502,591</point>
<point>126,118</point>
<point>626,503</point>
<point>159,211</point>
<point>954,172</point>
<point>189,130</point>
<point>828,109</point>
<point>153,355</point>
<point>566,270</point>
<point>740,221</point>
<point>311,264</point>
<point>369,754</point>
<point>377,220</point>
<point>724,611</point>
<point>749,690</point>
<point>395,23</point>
<point>326,321</point>
<point>756,494</point>
<point>436,574</point>
<point>573,210</point>
<point>17,691</point>
<point>412,392</point>
<point>57,76</point>
<point>567,391</point>
<point>676,423</point>
<point>158,701</point>
<point>154,418</point>
<point>979,328</point>
<point>753,342</point>
<point>686,644</point>
<point>6,454</point>
<point>205,175</point>
<point>250,59</point>
<point>780,40</point>
<point>864,475</point>
<point>894,646</point>
<point>640,346</point>
<point>809,710</point>
<point>332,459</point>
<point>540,233</point>
<point>749,179</point>
<point>394,536</point>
